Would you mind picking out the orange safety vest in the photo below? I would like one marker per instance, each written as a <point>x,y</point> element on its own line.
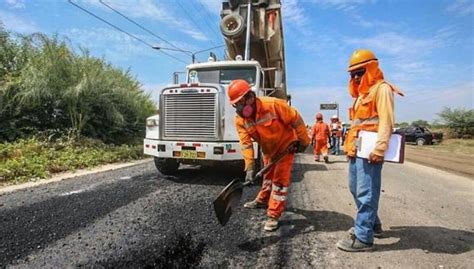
<point>364,116</point>
<point>276,125</point>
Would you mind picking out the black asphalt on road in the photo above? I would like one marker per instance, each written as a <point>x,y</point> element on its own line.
<point>131,217</point>
<point>135,217</point>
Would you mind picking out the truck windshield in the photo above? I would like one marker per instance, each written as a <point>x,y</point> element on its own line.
<point>223,75</point>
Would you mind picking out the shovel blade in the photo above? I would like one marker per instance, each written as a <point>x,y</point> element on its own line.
<point>227,201</point>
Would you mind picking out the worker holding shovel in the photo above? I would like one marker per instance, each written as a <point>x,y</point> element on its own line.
<point>274,125</point>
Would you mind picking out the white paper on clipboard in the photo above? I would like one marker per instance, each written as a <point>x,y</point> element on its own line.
<point>396,146</point>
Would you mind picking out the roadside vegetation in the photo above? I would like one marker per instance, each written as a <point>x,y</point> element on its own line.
<point>62,109</point>
<point>457,125</point>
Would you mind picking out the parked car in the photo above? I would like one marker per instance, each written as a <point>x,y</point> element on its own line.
<point>420,135</point>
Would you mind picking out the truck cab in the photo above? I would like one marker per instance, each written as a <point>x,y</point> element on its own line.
<point>196,120</point>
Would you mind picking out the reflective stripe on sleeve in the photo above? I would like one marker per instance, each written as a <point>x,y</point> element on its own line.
<point>357,122</point>
<point>266,118</point>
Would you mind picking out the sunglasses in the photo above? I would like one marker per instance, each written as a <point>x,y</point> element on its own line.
<point>358,72</point>
<point>242,101</point>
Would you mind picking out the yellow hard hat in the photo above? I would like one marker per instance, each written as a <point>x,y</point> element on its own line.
<point>359,58</point>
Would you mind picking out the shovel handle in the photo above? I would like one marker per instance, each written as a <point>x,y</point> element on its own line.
<point>277,159</point>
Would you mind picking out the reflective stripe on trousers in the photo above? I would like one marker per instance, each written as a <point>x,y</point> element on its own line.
<point>276,193</point>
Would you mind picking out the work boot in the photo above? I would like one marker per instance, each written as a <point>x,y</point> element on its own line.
<point>326,159</point>
<point>255,204</point>
<point>354,245</point>
<point>378,231</point>
<point>271,224</point>
<point>317,159</point>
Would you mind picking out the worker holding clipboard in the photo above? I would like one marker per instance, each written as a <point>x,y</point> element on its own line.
<point>366,145</point>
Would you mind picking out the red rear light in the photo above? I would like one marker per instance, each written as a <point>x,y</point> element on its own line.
<point>196,144</point>
<point>180,144</point>
<point>194,85</point>
<point>183,85</point>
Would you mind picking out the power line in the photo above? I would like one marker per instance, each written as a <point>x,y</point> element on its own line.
<point>206,19</point>
<point>123,31</point>
<point>192,19</point>
<point>139,25</point>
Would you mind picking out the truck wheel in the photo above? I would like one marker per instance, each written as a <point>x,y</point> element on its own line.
<point>420,141</point>
<point>232,26</point>
<point>167,166</point>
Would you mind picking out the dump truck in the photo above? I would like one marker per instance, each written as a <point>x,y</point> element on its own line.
<point>196,121</point>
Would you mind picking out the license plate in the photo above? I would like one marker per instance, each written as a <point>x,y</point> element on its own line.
<point>188,154</point>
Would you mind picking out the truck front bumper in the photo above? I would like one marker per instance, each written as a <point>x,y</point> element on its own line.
<point>225,151</point>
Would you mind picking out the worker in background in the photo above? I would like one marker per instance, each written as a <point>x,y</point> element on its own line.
<point>320,136</point>
<point>372,110</point>
<point>344,132</point>
<point>274,125</point>
<point>336,134</point>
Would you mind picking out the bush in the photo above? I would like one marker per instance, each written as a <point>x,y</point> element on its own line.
<point>459,121</point>
<point>32,159</point>
<point>46,85</point>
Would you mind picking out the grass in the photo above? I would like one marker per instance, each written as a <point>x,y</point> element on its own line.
<point>463,146</point>
<point>33,159</point>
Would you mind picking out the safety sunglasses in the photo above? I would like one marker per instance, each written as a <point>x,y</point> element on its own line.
<point>242,101</point>
<point>358,72</point>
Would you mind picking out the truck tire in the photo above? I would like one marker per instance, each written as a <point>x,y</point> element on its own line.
<point>232,26</point>
<point>420,141</point>
<point>166,166</point>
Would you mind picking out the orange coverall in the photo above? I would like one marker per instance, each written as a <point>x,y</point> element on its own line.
<point>275,127</point>
<point>320,134</point>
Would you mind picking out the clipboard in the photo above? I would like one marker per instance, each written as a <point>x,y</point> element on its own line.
<point>395,152</point>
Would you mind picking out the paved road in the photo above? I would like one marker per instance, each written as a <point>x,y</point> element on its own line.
<point>134,217</point>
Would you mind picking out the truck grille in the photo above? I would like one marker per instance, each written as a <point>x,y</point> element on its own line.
<point>190,116</point>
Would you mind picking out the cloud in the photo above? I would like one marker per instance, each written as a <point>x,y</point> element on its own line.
<point>461,7</point>
<point>116,46</point>
<point>432,100</point>
<point>16,24</point>
<point>345,5</point>
<point>154,90</point>
<point>213,6</point>
<point>163,13</point>
<point>15,4</point>
<point>294,13</point>
<point>409,57</point>
<point>307,101</point>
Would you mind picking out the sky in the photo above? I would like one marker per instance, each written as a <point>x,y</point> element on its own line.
<point>425,47</point>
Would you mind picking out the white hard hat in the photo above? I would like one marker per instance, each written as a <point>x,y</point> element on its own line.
<point>334,117</point>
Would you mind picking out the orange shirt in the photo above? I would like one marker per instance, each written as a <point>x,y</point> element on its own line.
<point>276,125</point>
<point>320,131</point>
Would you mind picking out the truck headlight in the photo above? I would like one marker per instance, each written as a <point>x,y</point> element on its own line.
<point>151,122</point>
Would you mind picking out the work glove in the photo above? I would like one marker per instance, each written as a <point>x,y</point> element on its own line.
<point>299,147</point>
<point>250,176</point>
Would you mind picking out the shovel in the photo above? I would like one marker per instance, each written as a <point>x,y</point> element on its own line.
<point>229,198</point>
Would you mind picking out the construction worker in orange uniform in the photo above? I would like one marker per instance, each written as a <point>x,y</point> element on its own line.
<point>321,136</point>
<point>372,110</point>
<point>274,125</point>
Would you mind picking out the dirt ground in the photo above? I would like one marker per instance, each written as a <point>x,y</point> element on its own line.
<point>459,163</point>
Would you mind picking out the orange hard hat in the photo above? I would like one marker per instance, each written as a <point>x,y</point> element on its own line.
<point>319,115</point>
<point>237,89</point>
<point>360,58</point>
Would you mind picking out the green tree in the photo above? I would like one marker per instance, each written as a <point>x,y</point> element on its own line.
<point>402,124</point>
<point>460,121</point>
<point>45,86</point>
<point>422,123</point>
